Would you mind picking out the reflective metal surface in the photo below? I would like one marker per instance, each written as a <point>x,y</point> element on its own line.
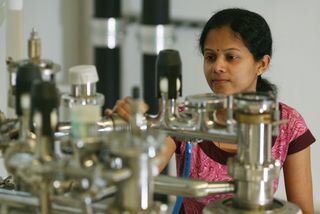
<point>92,164</point>
<point>227,206</point>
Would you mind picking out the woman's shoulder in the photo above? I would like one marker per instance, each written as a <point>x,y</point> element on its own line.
<point>295,125</point>
<point>291,114</point>
<point>295,131</point>
<point>288,111</point>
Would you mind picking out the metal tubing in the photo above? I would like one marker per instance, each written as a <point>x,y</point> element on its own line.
<point>190,188</point>
<point>45,202</point>
<point>22,200</point>
<point>108,126</point>
<point>139,184</point>
<point>187,135</point>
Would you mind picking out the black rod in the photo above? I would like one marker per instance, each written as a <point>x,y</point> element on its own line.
<point>154,13</point>
<point>106,53</point>
<point>26,75</point>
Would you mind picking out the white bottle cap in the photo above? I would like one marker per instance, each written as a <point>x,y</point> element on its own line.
<point>83,74</point>
<point>85,114</point>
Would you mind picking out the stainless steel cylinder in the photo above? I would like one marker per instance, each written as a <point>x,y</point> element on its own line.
<point>84,90</point>
<point>252,167</point>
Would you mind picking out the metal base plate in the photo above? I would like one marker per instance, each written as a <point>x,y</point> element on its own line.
<point>227,207</point>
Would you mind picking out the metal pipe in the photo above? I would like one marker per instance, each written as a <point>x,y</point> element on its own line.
<point>138,184</point>
<point>221,136</point>
<point>190,188</point>
<point>115,123</point>
<point>44,196</point>
<point>21,200</point>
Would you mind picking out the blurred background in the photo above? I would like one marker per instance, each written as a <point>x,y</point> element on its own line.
<point>64,27</point>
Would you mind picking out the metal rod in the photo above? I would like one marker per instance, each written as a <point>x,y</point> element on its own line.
<point>107,53</point>
<point>24,199</point>
<point>221,136</point>
<point>190,188</point>
<point>155,15</point>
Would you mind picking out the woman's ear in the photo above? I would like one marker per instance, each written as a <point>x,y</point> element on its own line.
<point>263,64</point>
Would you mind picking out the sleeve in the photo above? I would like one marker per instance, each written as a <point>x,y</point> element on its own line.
<point>302,142</point>
<point>298,134</point>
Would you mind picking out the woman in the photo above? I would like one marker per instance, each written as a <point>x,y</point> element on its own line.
<point>237,47</point>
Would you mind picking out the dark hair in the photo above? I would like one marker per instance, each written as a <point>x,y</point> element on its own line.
<point>252,29</point>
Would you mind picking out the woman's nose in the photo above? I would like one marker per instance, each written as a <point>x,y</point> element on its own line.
<point>219,65</point>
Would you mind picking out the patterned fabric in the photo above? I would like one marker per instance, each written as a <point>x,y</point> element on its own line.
<point>209,161</point>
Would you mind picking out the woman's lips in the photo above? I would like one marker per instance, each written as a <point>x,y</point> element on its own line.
<point>220,81</point>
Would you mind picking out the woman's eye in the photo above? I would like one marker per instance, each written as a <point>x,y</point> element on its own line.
<point>210,58</point>
<point>231,57</point>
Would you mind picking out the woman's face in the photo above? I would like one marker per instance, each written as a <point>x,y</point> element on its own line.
<point>229,66</point>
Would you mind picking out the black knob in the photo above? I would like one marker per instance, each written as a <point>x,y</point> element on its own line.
<point>168,66</point>
<point>26,74</point>
<point>45,100</point>
<point>135,92</point>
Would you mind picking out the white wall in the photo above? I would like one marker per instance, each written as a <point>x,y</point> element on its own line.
<point>296,31</point>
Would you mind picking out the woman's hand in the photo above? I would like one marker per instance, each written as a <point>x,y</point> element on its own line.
<point>123,108</point>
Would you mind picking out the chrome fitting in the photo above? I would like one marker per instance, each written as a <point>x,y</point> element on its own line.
<point>107,32</point>
<point>155,38</point>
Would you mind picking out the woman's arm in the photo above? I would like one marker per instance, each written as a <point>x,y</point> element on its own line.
<point>298,180</point>
<point>166,153</point>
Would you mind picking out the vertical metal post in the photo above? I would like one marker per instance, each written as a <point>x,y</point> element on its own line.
<point>106,36</point>
<point>14,46</point>
<point>45,100</point>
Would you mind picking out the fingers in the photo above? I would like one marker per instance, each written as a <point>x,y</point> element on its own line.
<point>123,108</point>
<point>122,112</point>
<point>108,112</point>
<point>145,107</point>
<point>124,105</point>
